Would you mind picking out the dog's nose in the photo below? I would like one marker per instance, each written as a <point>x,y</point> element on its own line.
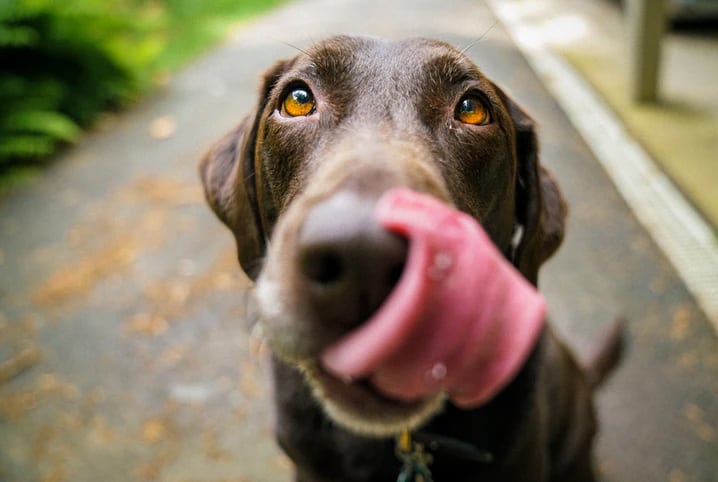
<point>348,262</point>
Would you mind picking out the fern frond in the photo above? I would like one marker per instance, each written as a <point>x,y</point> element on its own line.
<point>25,146</point>
<point>47,123</point>
<point>17,36</point>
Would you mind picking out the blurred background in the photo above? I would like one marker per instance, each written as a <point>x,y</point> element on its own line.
<point>125,346</point>
<point>67,64</point>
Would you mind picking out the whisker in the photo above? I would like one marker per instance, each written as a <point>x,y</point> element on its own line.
<point>299,49</point>
<point>483,35</point>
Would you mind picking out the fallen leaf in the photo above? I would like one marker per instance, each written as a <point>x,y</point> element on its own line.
<point>146,324</point>
<point>100,431</point>
<point>680,324</point>
<point>173,355</point>
<point>706,432</point>
<point>693,412</point>
<point>25,359</point>
<point>213,449</point>
<point>154,430</point>
<point>163,190</point>
<point>58,473</point>
<point>677,475</point>
<point>697,417</point>
<point>688,361</point>
<point>80,276</point>
<point>49,383</point>
<point>152,469</point>
<point>163,127</point>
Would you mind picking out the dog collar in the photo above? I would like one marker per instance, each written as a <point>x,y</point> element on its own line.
<point>416,460</point>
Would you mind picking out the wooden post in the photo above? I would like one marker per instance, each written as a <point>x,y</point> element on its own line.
<point>646,24</point>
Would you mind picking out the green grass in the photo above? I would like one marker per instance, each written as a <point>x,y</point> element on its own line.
<point>64,63</point>
<point>192,26</point>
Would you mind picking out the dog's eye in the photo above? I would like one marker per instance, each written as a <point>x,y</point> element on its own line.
<point>472,110</point>
<point>299,101</point>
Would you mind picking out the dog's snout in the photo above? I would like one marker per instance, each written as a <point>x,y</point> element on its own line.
<point>348,263</point>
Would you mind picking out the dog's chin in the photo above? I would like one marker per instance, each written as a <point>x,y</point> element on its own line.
<point>359,408</point>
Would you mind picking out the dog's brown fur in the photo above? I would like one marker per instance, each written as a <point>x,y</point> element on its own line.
<point>384,118</point>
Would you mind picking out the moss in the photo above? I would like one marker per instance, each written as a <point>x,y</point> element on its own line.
<point>682,138</point>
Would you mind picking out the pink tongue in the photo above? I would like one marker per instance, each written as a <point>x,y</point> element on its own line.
<point>461,318</point>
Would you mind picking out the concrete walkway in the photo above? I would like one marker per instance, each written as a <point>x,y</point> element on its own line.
<point>121,299</point>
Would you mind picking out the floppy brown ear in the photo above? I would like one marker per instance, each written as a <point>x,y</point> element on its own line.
<point>228,172</point>
<point>540,208</point>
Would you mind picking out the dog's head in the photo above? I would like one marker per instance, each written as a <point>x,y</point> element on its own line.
<point>298,179</point>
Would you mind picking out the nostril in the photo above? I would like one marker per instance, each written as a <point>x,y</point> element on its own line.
<point>347,262</point>
<point>394,273</point>
<point>322,266</point>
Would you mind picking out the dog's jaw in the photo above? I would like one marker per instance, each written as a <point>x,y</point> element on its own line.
<point>361,409</point>
<point>352,404</point>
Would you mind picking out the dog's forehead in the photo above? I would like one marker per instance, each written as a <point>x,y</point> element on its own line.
<point>366,60</point>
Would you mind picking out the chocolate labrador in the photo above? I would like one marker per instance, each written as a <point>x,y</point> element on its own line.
<point>298,182</point>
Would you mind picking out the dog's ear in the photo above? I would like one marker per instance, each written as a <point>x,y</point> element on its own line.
<point>540,207</point>
<point>228,172</point>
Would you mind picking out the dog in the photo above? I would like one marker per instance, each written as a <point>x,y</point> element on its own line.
<point>298,182</point>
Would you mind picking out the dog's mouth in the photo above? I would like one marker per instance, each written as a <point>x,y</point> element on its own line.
<point>358,405</point>
<point>459,324</point>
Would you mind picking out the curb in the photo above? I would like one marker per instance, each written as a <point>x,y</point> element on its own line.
<point>679,231</point>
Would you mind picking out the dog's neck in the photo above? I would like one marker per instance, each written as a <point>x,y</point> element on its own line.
<point>476,439</point>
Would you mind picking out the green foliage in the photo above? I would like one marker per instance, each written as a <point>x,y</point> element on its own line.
<point>191,26</point>
<point>63,62</point>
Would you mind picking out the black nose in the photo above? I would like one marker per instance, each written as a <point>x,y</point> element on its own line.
<point>348,262</point>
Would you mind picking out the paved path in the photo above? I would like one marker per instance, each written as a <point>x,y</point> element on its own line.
<point>115,274</point>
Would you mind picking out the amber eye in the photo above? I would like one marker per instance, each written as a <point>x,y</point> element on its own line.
<point>299,101</point>
<point>472,110</point>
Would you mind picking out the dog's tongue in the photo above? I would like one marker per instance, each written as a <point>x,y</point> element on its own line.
<point>460,320</point>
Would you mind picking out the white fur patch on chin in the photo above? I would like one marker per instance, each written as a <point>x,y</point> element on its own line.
<point>268,294</point>
<point>359,410</point>
<point>272,306</point>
